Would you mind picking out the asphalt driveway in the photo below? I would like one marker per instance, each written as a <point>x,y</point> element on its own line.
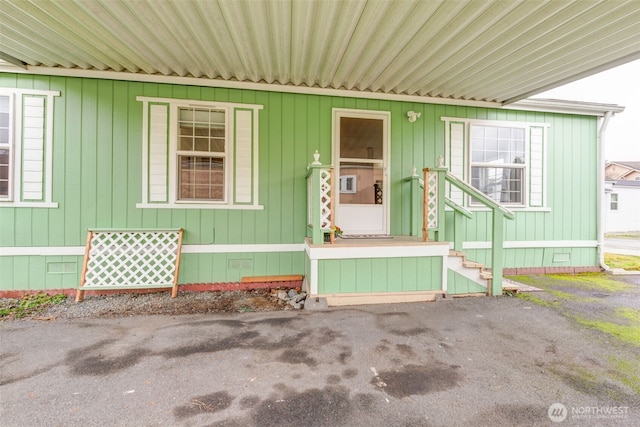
<point>474,361</point>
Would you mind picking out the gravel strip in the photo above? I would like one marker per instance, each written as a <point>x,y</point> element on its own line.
<point>160,303</point>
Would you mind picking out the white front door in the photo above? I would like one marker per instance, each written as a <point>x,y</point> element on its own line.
<point>360,157</point>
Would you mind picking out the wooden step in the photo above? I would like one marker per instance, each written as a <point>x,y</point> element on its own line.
<point>486,275</point>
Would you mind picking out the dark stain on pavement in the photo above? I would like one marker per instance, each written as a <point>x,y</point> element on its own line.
<point>314,407</point>
<point>284,342</point>
<point>276,321</point>
<point>297,357</point>
<point>410,332</point>
<point>210,403</point>
<point>213,345</point>
<point>417,380</point>
<point>333,379</point>
<point>405,350</point>
<point>92,360</point>
<point>349,373</point>
<point>344,355</point>
<point>248,402</point>
<point>327,336</point>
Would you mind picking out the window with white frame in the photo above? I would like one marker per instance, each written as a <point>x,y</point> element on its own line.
<point>26,147</point>
<point>498,162</point>
<point>202,147</point>
<point>199,154</point>
<point>5,147</point>
<point>614,201</point>
<point>504,160</point>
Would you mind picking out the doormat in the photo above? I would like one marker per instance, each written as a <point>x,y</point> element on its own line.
<point>366,236</point>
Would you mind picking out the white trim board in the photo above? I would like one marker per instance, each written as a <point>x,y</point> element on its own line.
<point>329,252</point>
<point>534,244</point>
<point>186,249</point>
<point>383,251</point>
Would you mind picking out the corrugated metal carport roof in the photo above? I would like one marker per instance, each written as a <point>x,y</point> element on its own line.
<point>496,51</point>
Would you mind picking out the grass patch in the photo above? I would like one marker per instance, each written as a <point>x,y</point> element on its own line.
<point>570,296</point>
<point>586,381</point>
<point>627,333</point>
<point>29,304</point>
<point>584,281</point>
<point>627,235</point>
<point>590,281</point>
<point>632,314</point>
<point>626,371</point>
<point>526,296</point>
<point>626,262</point>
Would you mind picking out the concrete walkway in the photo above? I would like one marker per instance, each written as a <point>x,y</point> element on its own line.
<point>470,362</point>
<point>622,246</point>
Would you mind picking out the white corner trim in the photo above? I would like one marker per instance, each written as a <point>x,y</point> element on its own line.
<point>533,244</point>
<point>445,272</point>
<point>313,266</point>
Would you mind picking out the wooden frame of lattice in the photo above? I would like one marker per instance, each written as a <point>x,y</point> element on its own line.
<point>131,259</point>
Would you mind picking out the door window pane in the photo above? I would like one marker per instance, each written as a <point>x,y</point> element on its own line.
<point>361,138</point>
<point>361,183</point>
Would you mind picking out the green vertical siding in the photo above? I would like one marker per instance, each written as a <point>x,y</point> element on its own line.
<point>379,275</point>
<point>97,156</point>
<point>458,284</point>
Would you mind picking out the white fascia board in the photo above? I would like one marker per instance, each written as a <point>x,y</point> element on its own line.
<point>231,84</point>
<point>565,107</point>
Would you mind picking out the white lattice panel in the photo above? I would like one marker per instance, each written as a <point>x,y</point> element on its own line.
<point>432,201</point>
<point>137,259</point>
<point>325,198</point>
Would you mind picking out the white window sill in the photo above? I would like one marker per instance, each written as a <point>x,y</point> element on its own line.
<point>7,204</point>
<point>198,206</point>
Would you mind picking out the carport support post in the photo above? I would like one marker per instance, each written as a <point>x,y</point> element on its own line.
<point>497,253</point>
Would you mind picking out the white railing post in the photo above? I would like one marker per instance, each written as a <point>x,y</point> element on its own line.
<point>320,201</point>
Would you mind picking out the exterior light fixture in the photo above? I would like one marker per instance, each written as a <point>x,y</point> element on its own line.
<point>413,116</point>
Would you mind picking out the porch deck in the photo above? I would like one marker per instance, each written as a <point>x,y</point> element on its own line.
<point>364,271</point>
<point>372,241</point>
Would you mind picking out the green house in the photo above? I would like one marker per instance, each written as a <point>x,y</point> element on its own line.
<point>259,143</point>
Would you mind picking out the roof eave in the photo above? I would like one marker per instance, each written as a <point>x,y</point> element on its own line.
<point>565,107</point>
<point>234,84</point>
<point>531,104</point>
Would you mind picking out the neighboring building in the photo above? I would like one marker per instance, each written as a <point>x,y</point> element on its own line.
<point>623,203</point>
<point>125,119</point>
<point>622,171</point>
